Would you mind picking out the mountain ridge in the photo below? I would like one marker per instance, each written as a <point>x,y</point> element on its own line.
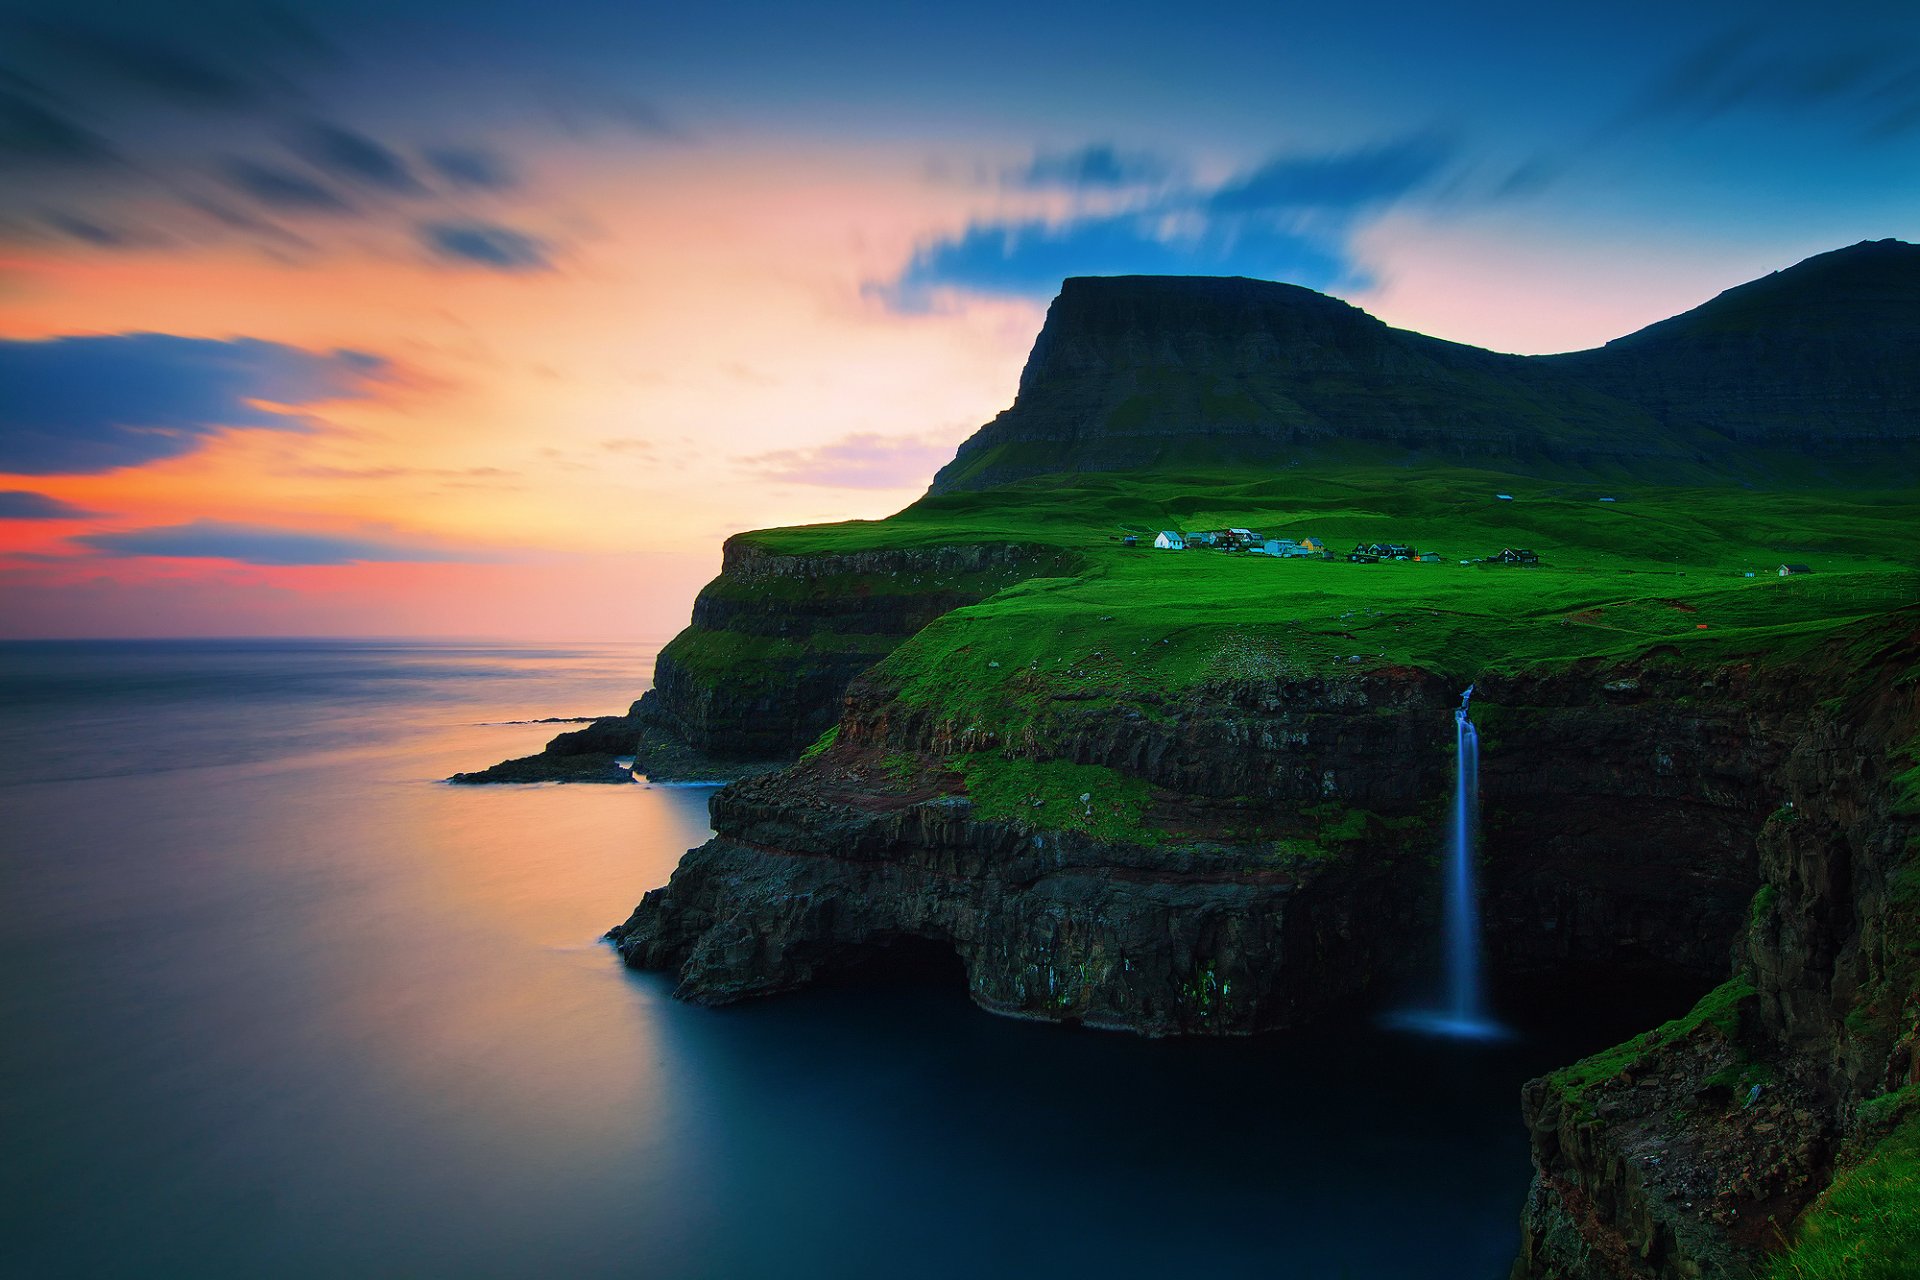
<point>1136,372</point>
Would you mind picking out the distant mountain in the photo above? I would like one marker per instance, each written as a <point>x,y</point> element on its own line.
<point>1818,363</point>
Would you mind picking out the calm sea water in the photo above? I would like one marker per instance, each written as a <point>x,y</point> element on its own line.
<point>275,1001</point>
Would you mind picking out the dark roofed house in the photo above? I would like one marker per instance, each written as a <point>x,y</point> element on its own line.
<point>1788,570</point>
<point>1515,555</point>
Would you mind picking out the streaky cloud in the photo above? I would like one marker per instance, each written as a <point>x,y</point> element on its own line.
<point>1335,181</point>
<point>282,189</point>
<point>1100,166</point>
<point>87,231</point>
<point>208,55</point>
<point>1031,258</point>
<point>1287,219</point>
<point>155,66</point>
<point>24,504</point>
<point>485,244</point>
<point>79,405</point>
<point>1871,75</point>
<point>36,132</point>
<point>862,460</point>
<point>472,168</point>
<point>266,545</point>
<point>345,154</point>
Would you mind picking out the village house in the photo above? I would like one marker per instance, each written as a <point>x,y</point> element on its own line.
<point>1514,555</point>
<point>1313,547</point>
<point>1788,570</point>
<point>1169,540</point>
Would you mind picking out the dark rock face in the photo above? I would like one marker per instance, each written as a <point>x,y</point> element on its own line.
<point>806,883</point>
<point>1140,371</point>
<point>812,866</point>
<point>1674,1172</point>
<point>1670,1173</point>
<point>810,624</point>
<point>1620,808</point>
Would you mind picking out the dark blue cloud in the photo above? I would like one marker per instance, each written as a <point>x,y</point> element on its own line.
<point>147,63</point>
<point>87,404</point>
<point>485,244</point>
<point>1096,167</point>
<point>1288,219</point>
<point>35,131</point>
<point>87,231</point>
<point>282,189</point>
<point>264,545</point>
<point>1339,181</point>
<point>472,168</point>
<point>344,154</point>
<point>1870,76</point>
<point>1032,258</point>
<point>24,504</point>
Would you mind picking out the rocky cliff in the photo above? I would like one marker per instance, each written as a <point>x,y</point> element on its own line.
<point>777,638</point>
<point>774,642</point>
<point>1622,808</point>
<point>1132,372</point>
<point>1690,1151</point>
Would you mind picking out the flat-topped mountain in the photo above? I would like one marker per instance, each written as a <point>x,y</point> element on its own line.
<point>1133,372</point>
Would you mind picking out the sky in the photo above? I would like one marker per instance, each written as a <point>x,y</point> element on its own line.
<point>436,318</point>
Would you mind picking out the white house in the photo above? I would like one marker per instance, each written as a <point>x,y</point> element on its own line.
<point>1168,540</point>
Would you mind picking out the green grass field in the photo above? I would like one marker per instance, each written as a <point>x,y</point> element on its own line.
<point>1654,567</point>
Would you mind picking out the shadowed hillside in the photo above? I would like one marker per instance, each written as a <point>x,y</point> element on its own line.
<point>1139,372</point>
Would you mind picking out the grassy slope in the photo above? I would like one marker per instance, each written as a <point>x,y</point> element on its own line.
<point>1866,1226</point>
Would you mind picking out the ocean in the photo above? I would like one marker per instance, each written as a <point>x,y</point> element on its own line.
<point>279,1002</point>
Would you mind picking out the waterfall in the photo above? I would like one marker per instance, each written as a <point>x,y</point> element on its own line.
<point>1462,1011</point>
<point>1465,999</point>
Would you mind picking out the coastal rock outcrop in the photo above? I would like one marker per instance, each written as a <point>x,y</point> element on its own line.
<point>774,642</point>
<point>1285,847</point>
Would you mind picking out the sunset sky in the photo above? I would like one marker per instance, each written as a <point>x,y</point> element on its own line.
<point>493,319</point>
